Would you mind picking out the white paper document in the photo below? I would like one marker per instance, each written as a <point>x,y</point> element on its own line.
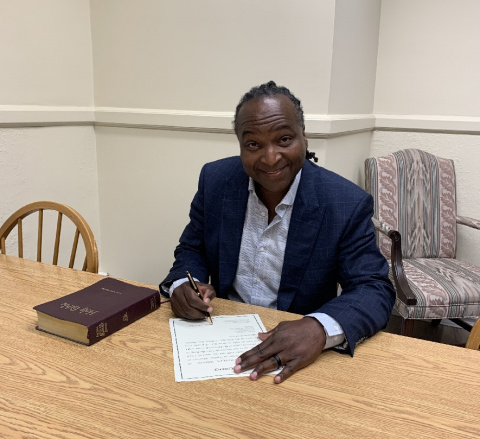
<point>202,351</point>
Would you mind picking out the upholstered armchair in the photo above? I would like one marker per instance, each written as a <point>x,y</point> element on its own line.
<point>416,220</point>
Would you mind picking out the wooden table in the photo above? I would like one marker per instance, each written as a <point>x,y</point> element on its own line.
<point>124,386</point>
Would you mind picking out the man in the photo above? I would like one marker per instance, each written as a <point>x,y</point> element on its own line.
<point>271,228</point>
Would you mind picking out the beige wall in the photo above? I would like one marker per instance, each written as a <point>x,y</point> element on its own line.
<point>46,53</point>
<point>202,55</point>
<point>354,59</point>
<point>428,58</point>
<point>147,179</point>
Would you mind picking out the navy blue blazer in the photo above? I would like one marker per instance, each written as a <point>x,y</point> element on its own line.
<point>331,239</point>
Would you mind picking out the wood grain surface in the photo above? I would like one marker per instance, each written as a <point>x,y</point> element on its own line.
<point>124,386</point>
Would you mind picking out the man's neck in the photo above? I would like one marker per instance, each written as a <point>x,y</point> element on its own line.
<point>270,199</point>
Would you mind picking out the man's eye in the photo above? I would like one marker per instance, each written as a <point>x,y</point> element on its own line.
<point>285,139</point>
<point>251,145</point>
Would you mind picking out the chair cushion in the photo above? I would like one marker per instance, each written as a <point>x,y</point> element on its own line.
<point>444,287</point>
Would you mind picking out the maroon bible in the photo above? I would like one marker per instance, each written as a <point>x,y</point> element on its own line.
<point>94,312</point>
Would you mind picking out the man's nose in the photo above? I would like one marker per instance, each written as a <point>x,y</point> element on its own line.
<point>271,155</point>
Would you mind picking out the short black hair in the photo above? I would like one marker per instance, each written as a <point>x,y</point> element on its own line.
<point>269,89</point>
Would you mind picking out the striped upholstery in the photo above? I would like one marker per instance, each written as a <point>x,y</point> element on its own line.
<point>414,193</point>
<point>444,288</point>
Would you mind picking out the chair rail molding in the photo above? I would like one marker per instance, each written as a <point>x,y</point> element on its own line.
<point>210,121</point>
<point>428,123</point>
<point>183,120</point>
<point>40,115</point>
<point>317,125</point>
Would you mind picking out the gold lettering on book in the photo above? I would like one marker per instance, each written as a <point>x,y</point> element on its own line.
<point>87,311</point>
<point>111,291</point>
<point>68,306</point>
<point>153,303</point>
<point>125,317</point>
<point>101,329</point>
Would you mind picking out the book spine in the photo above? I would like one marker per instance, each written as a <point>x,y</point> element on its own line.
<point>123,318</point>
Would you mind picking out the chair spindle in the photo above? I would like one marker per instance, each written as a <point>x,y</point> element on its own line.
<point>57,239</point>
<point>74,249</point>
<point>40,235</point>
<point>20,238</point>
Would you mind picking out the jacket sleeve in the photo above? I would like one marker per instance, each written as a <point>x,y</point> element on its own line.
<point>190,253</point>
<point>367,297</point>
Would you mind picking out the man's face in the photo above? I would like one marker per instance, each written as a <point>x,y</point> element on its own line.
<point>272,143</point>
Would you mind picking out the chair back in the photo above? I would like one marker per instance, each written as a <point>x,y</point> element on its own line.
<point>82,230</point>
<point>414,193</point>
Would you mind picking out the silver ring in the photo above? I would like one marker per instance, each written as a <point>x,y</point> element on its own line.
<point>277,359</point>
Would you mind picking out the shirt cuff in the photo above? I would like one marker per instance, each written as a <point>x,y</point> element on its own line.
<point>335,334</point>
<point>177,283</point>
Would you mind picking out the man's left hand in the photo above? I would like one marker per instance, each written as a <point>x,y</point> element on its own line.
<point>295,344</point>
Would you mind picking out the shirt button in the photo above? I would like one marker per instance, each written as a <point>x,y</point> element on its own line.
<point>263,214</point>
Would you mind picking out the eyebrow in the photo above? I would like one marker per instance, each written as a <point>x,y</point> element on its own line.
<point>284,126</point>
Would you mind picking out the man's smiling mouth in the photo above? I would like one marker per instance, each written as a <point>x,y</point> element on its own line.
<point>275,172</point>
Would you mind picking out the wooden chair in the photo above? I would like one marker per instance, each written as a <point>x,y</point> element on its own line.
<point>90,263</point>
<point>473,341</point>
<point>416,217</point>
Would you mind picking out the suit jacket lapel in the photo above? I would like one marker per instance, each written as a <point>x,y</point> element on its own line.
<point>305,223</point>
<point>231,229</point>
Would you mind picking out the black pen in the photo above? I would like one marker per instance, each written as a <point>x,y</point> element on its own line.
<point>195,288</point>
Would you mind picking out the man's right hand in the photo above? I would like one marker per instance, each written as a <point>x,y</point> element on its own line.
<point>187,305</point>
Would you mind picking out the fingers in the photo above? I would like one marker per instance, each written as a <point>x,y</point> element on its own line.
<point>269,363</point>
<point>288,370</point>
<point>207,292</point>
<point>264,335</point>
<point>254,356</point>
<point>293,345</point>
<point>261,357</point>
<point>186,304</point>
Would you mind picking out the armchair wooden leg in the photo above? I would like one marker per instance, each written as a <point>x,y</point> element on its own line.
<point>407,327</point>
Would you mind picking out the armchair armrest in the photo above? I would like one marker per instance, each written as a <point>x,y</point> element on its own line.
<point>381,227</point>
<point>470,222</point>
<point>404,293</point>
